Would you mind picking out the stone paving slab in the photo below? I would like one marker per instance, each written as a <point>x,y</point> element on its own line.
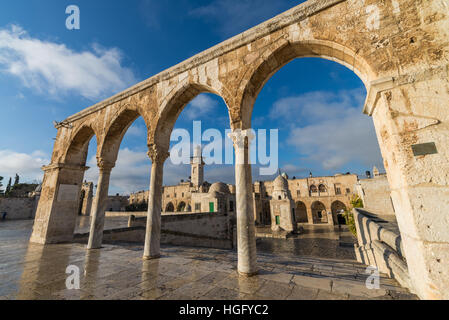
<point>182,273</point>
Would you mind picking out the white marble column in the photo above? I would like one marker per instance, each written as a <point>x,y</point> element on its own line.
<point>99,205</point>
<point>246,230</point>
<point>153,228</point>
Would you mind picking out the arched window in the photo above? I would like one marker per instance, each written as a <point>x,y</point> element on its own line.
<point>313,188</point>
<point>322,188</point>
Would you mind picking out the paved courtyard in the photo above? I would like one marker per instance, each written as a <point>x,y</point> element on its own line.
<point>182,273</point>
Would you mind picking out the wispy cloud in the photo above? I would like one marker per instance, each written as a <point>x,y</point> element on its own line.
<point>54,69</point>
<point>235,16</point>
<point>27,166</point>
<point>202,105</point>
<point>331,130</point>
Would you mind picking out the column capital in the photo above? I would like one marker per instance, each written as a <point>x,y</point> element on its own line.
<point>105,165</point>
<point>157,154</point>
<point>238,137</point>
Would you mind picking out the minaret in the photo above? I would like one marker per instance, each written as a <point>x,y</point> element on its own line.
<point>197,168</point>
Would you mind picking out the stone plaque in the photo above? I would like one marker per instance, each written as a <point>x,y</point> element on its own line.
<point>68,192</point>
<point>424,149</point>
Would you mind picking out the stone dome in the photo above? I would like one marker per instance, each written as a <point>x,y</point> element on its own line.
<point>219,187</point>
<point>280,183</point>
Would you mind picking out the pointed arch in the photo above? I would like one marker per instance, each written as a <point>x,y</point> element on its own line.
<point>116,131</point>
<point>283,52</point>
<point>76,153</point>
<point>174,104</point>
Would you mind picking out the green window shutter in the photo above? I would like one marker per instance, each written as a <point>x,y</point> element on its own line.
<point>278,220</point>
<point>211,207</point>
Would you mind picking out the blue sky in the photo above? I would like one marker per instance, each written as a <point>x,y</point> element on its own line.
<point>48,73</point>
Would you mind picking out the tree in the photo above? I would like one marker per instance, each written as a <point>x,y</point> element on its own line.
<point>16,180</point>
<point>1,185</point>
<point>8,187</point>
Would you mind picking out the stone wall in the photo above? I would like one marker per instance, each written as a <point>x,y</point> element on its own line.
<point>18,208</point>
<point>199,230</point>
<point>376,195</point>
<point>380,245</point>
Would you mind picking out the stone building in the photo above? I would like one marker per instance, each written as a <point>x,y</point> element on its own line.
<point>316,200</point>
<point>375,193</point>
<point>195,195</point>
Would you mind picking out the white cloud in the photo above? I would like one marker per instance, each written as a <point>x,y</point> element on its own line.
<point>330,129</point>
<point>131,173</point>
<point>202,105</point>
<point>54,69</point>
<point>27,166</point>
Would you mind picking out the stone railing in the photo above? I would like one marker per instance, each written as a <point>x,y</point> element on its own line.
<point>380,245</point>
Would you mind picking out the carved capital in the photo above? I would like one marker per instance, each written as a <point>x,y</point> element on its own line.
<point>157,154</point>
<point>105,165</point>
<point>238,137</point>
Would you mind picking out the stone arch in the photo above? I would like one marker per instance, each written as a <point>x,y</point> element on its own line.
<point>181,207</point>
<point>319,213</point>
<point>76,153</point>
<point>313,189</point>
<point>116,131</point>
<point>283,52</point>
<point>169,207</point>
<point>174,104</point>
<point>322,188</point>
<point>301,212</point>
<point>337,207</point>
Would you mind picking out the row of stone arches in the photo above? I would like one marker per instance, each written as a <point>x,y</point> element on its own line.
<point>397,77</point>
<point>319,212</point>
<point>181,207</point>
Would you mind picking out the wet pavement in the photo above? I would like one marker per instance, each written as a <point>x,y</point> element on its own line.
<point>118,272</point>
<point>315,240</point>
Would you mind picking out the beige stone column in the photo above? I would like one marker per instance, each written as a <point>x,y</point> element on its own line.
<point>412,121</point>
<point>246,231</point>
<point>99,205</point>
<point>58,205</point>
<point>153,229</point>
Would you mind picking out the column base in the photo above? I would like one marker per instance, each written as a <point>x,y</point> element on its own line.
<point>94,248</point>
<point>151,257</point>
<point>248,275</point>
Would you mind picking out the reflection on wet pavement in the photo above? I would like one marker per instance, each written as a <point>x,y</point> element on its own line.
<point>318,241</point>
<point>29,271</point>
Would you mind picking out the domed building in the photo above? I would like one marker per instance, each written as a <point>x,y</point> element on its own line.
<point>282,207</point>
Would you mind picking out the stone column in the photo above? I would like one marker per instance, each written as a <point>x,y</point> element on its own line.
<point>153,229</point>
<point>58,205</point>
<point>411,120</point>
<point>246,231</point>
<point>99,205</point>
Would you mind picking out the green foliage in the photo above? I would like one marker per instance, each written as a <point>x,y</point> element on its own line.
<point>16,180</point>
<point>1,185</point>
<point>356,202</point>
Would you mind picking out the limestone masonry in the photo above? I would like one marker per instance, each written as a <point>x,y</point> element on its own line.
<point>400,51</point>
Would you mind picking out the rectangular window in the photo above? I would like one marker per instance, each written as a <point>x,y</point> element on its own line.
<point>337,191</point>
<point>348,191</point>
<point>211,207</point>
<point>197,206</point>
<point>278,220</point>
<point>298,193</point>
